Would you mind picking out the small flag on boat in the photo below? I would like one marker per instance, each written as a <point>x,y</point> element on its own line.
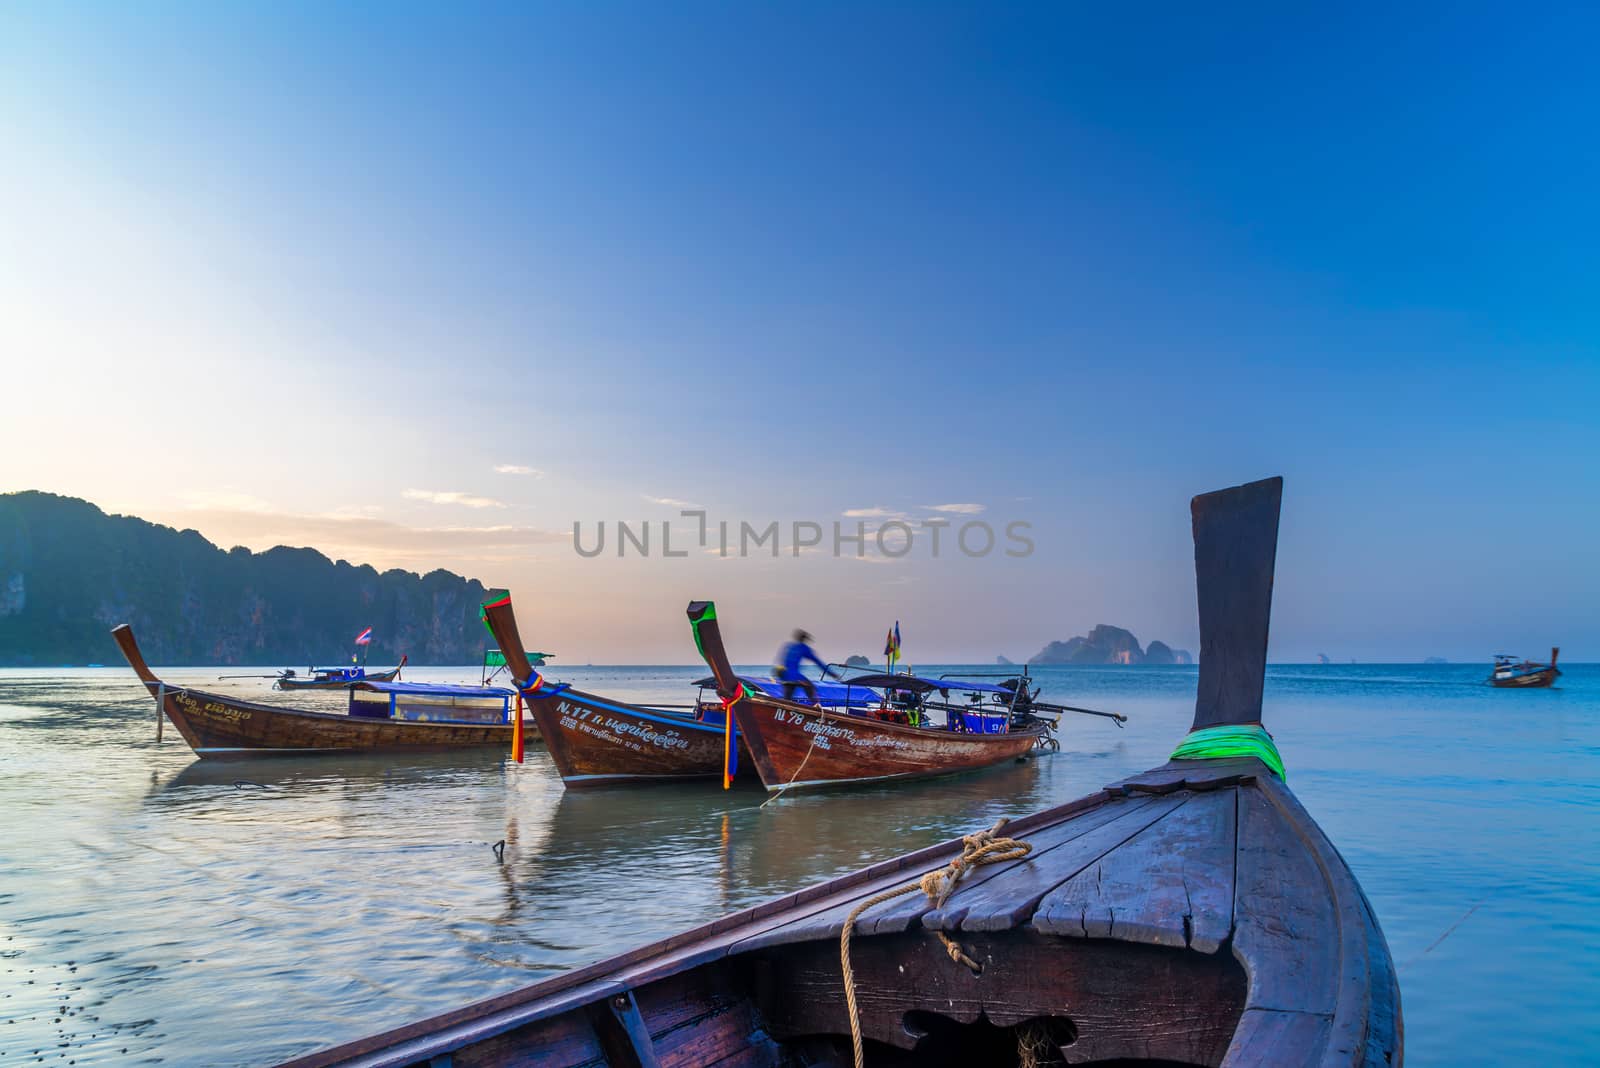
<point>365,637</point>
<point>891,645</point>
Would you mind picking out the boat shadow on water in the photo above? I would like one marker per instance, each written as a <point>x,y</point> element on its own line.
<point>289,773</point>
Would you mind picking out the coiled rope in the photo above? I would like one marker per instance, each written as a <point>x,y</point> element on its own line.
<point>984,847</point>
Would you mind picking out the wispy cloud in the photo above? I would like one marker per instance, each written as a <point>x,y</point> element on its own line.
<point>367,539</point>
<point>955,509</point>
<point>668,502</point>
<point>873,513</point>
<point>451,497</point>
<point>518,469</point>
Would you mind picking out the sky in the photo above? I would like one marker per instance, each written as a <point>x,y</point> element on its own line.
<point>424,285</point>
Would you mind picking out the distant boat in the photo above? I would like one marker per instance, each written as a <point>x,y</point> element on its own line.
<point>1510,674</point>
<point>335,678</point>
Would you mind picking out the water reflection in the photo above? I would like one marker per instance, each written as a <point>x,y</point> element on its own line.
<point>194,912</point>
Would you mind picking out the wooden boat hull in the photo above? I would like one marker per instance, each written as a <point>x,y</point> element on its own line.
<point>1193,915</point>
<point>223,727</point>
<point>797,747</point>
<point>1528,681</point>
<point>597,742</point>
<point>217,726</point>
<point>337,684</point>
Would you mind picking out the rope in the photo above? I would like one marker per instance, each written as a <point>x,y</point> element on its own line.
<point>1232,740</point>
<point>1034,1045</point>
<point>984,847</point>
<point>809,750</point>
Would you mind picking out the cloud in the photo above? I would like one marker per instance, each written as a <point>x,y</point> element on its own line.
<point>957,509</point>
<point>517,469</point>
<point>364,539</point>
<point>872,513</point>
<point>451,497</point>
<point>668,502</point>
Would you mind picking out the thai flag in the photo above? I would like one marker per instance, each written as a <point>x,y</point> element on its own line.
<point>365,637</point>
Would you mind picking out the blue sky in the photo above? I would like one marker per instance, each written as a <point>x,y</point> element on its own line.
<point>310,275</point>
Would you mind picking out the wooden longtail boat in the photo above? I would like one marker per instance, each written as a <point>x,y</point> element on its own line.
<point>1191,915</point>
<point>219,726</point>
<point>336,678</point>
<point>797,746</point>
<point>1509,674</point>
<point>596,741</point>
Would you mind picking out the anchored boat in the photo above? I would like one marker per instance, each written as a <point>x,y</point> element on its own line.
<point>796,746</point>
<point>1191,915</point>
<point>380,716</point>
<point>1508,673</point>
<point>335,678</point>
<point>597,741</point>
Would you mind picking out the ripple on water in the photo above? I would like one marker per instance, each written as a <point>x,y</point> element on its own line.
<point>153,909</point>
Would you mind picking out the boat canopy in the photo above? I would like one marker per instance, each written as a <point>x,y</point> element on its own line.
<point>918,684</point>
<point>829,693</point>
<point>496,658</point>
<point>434,689</point>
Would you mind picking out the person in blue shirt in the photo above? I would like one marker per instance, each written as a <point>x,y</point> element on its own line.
<point>787,668</point>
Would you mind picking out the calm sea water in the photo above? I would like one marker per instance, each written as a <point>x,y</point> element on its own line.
<point>157,910</point>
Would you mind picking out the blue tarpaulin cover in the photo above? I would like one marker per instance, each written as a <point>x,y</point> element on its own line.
<point>432,689</point>
<point>829,693</point>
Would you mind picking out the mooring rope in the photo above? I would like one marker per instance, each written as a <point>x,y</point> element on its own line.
<point>809,750</point>
<point>984,847</point>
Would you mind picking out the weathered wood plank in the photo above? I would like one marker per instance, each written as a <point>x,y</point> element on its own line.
<point>1197,775</point>
<point>1134,1001</point>
<point>566,1041</point>
<point>1385,1037</point>
<point>700,1018</point>
<point>902,913</point>
<point>1009,898</point>
<point>1286,930</point>
<point>1271,1038</point>
<point>1366,1025</point>
<point>1170,885</point>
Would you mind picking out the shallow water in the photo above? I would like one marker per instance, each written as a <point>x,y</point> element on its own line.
<point>157,910</point>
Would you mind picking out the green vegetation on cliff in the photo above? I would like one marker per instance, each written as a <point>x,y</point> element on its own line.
<point>69,573</point>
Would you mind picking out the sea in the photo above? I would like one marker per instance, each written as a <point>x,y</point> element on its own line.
<point>157,909</point>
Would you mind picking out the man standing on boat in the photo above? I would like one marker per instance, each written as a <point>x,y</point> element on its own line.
<point>789,660</point>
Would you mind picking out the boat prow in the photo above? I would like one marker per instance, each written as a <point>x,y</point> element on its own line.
<point>599,741</point>
<point>1191,915</point>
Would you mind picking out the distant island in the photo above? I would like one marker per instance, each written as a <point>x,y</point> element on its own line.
<point>857,661</point>
<point>1004,661</point>
<point>1322,658</point>
<point>1106,644</point>
<point>69,573</point>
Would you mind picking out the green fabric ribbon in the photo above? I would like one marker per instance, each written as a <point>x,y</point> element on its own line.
<point>1216,743</point>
